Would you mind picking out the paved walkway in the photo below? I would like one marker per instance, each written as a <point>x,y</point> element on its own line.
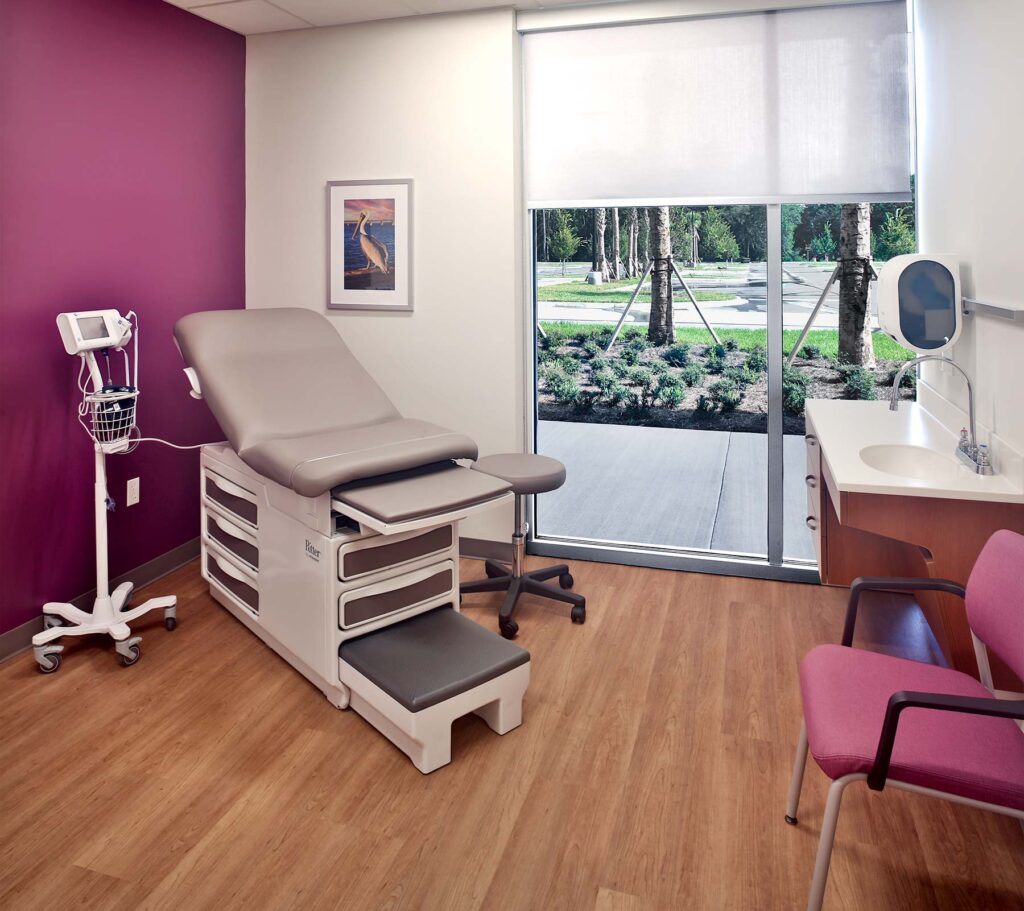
<point>695,489</point>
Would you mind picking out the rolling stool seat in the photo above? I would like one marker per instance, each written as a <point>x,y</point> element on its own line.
<point>528,474</point>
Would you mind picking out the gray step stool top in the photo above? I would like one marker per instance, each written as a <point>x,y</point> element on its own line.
<point>431,657</point>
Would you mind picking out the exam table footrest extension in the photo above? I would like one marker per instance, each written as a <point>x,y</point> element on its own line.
<point>411,680</point>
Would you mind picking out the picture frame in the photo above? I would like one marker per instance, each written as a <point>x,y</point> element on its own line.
<point>369,245</point>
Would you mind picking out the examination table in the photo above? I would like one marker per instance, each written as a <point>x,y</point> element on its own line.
<point>330,529</point>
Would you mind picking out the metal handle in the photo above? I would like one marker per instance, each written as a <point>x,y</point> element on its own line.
<point>811,481</point>
<point>812,523</point>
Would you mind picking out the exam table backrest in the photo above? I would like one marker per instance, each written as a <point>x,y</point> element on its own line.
<point>278,373</point>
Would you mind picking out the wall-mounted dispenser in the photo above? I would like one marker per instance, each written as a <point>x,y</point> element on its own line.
<point>919,302</point>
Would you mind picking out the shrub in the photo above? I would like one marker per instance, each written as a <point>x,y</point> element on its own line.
<point>567,364</point>
<point>909,380</point>
<point>692,374</point>
<point>591,348</point>
<point>562,387</point>
<point>630,356</point>
<point>860,384</point>
<point>725,394</point>
<point>677,355</point>
<point>731,344</point>
<point>658,367</point>
<point>704,404</point>
<point>794,390</point>
<point>615,394</point>
<point>643,378</point>
<point>810,352</point>
<point>598,362</point>
<point>545,356</point>
<point>757,360</point>
<point>717,351</point>
<point>740,376</point>
<point>669,391</point>
<point>714,364</point>
<point>604,380</point>
<point>585,401</point>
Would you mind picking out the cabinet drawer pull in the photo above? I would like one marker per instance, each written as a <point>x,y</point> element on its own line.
<point>811,439</point>
<point>812,481</point>
<point>812,523</point>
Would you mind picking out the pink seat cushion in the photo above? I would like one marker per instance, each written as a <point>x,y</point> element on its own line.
<point>845,693</point>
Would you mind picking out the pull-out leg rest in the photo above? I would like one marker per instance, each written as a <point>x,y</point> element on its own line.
<point>413,679</point>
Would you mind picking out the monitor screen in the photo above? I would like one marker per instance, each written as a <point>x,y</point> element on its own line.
<point>92,327</point>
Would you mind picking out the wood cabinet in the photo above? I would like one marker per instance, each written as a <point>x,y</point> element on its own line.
<point>863,534</point>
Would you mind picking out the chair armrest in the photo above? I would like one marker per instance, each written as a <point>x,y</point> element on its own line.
<point>972,705</point>
<point>900,583</point>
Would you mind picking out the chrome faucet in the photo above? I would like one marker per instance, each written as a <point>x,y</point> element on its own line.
<point>968,451</point>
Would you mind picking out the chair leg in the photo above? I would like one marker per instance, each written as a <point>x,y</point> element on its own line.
<point>826,840</point>
<point>494,569</point>
<point>493,584</point>
<point>508,607</point>
<point>548,572</point>
<point>796,783</point>
<point>534,587</point>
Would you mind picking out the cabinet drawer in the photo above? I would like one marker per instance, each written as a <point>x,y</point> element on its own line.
<point>231,537</point>
<point>382,598</point>
<point>232,580</point>
<point>238,501</point>
<point>371,555</point>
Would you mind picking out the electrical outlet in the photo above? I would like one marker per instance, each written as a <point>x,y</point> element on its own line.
<point>133,492</point>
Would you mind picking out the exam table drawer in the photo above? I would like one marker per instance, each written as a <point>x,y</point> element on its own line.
<point>231,579</point>
<point>396,594</point>
<point>231,537</point>
<point>371,555</point>
<point>238,501</point>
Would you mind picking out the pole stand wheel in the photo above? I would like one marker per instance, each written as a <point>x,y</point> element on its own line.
<point>48,658</point>
<point>128,650</point>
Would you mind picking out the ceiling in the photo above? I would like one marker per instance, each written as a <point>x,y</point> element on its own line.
<point>252,17</point>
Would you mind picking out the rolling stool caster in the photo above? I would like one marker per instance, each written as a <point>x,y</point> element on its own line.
<point>48,656</point>
<point>528,474</point>
<point>170,617</point>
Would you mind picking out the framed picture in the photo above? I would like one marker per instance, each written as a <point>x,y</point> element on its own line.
<point>369,245</point>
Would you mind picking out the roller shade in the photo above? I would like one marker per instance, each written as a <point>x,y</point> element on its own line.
<point>792,105</point>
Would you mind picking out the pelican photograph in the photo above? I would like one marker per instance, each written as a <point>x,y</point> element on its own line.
<point>368,247</point>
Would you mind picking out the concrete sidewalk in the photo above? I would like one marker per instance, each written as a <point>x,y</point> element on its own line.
<point>680,488</point>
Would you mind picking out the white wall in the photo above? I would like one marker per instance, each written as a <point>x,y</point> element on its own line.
<point>970,73</point>
<point>436,99</point>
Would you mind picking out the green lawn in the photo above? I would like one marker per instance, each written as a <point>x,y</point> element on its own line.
<point>610,293</point>
<point>827,340</point>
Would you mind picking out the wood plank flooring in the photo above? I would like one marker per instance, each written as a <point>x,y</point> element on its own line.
<point>650,773</point>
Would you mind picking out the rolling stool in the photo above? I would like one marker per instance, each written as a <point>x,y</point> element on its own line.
<point>528,474</point>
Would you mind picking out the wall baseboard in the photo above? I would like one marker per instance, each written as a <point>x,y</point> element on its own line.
<point>20,638</point>
<point>482,549</point>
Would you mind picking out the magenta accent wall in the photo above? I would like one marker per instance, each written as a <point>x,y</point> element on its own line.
<point>122,184</point>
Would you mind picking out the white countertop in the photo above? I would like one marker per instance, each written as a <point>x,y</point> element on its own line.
<point>844,428</point>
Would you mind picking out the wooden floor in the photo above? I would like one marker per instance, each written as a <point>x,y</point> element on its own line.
<point>650,773</point>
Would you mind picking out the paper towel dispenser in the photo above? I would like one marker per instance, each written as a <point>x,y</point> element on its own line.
<point>919,301</point>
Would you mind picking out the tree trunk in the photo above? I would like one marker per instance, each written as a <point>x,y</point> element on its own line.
<point>854,277</point>
<point>632,257</point>
<point>616,265</point>
<point>600,260</point>
<point>544,237</point>
<point>660,327</point>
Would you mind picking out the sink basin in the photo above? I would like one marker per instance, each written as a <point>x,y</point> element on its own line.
<point>906,461</point>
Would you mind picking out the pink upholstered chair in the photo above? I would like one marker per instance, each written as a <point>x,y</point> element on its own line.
<point>914,726</point>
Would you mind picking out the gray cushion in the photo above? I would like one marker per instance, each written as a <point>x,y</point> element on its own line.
<point>525,471</point>
<point>431,657</point>
<point>297,406</point>
<point>420,492</point>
